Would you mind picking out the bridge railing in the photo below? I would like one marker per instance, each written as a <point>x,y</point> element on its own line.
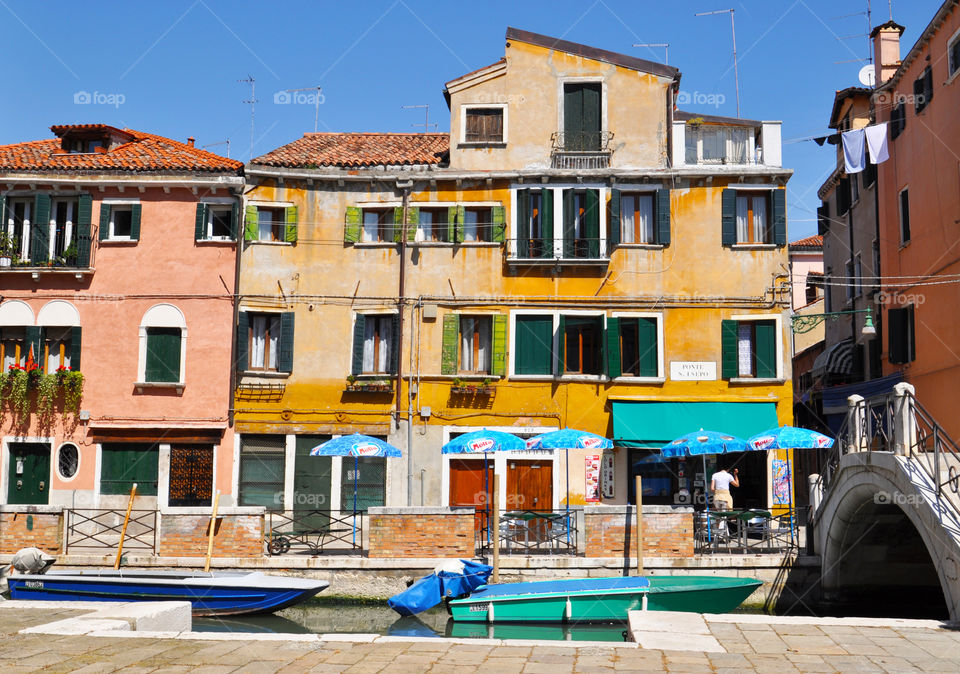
<point>928,437</point>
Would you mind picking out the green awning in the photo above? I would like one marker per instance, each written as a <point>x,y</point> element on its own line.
<point>654,424</point>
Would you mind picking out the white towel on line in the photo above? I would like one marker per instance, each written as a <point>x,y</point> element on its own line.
<point>876,136</point>
<point>854,151</point>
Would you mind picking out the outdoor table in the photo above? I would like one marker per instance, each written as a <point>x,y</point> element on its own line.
<point>534,526</point>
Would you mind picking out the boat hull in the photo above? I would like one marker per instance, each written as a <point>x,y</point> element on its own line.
<point>701,594</point>
<point>208,594</point>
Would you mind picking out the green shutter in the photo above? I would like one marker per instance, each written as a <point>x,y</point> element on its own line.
<point>163,355</point>
<point>251,225</point>
<point>413,220</point>
<point>591,223</point>
<point>454,225</point>
<point>911,334</point>
<point>498,364</point>
<point>498,215</point>
<point>352,221</point>
<point>573,117</point>
<point>3,210</point>
<point>200,226</point>
<point>546,221</point>
<point>135,222</point>
<point>40,231</point>
<point>34,342</point>
<point>730,367</point>
<point>290,224</point>
<point>766,349</point>
<point>569,231</point>
<point>234,219</point>
<point>285,352</point>
<point>84,217</point>
<point>613,238</point>
<point>533,345</point>
<point>104,221</point>
<point>647,347</point>
<point>243,337</point>
<point>359,326</point>
<point>728,218</point>
<point>522,230</point>
<point>780,217</point>
<point>395,346</point>
<point>397,223</point>
<point>614,366</point>
<point>451,336</point>
<point>76,339</point>
<point>561,355</point>
<point>122,464</point>
<point>663,216</point>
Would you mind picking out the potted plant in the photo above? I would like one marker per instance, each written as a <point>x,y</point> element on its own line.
<point>7,249</point>
<point>72,384</point>
<point>487,386</point>
<point>351,382</point>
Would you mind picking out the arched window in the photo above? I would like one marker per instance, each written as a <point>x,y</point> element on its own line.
<point>163,333</point>
<point>59,325</point>
<point>16,320</point>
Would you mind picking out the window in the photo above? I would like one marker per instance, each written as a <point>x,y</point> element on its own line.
<point>18,227</point>
<point>580,348</point>
<point>858,274</point>
<point>875,286</point>
<point>84,145</point>
<point>814,289</point>
<point>63,228</point>
<point>483,125</point>
<point>535,223</point>
<point>434,225</point>
<point>823,218</point>
<point>13,346</point>
<point>58,348</point>
<point>163,355</point>
<point>898,117</point>
<point>707,144</point>
<point>262,461</point>
<point>191,475</point>
<point>68,460</point>
<point>478,223</point>
<point>635,341</point>
<point>749,349</point>
<point>854,189</point>
<point>902,346</point>
<point>119,221</point>
<point>374,346</point>
<point>869,175</point>
<point>265,341</point>
<point>581,224</point>
<point>582,126</point>
<point>475,333</point>
<point>828,291</point>
<point>842,193</point>
<point>640,217</point>
<point>904,216</point>
<point>267,224</point>
<point>754,217</point>
<point>474,345</point>
<point>923,90</point>
<point>849,283</point>
<point>953,52</point>
<point>216,222</point>
<point>533,337</point>
<point>363,483</point>
<point>378,224</point>
<point>123,464</point>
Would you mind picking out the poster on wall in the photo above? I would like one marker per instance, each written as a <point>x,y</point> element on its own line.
<point>592,470</point>
<point>606,472</point>
<point>781,482</point>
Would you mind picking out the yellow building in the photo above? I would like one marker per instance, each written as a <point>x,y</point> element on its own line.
<point>575,253</point>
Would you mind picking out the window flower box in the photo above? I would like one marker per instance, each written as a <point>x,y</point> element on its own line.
<point>369,387</point>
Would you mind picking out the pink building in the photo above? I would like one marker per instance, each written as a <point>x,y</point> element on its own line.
<point>118,261</point>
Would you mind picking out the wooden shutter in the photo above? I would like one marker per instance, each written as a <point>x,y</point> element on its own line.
<point>234,219</point>
<point>200,226</point>
<point>76,339</point>
<point>823,218</point>
<point>135,222</point>
<point>454,225</point>
<point>359,326</point>
<point>561,354</point>
<point>572,117</point>
<point>522,230</point>
<point>901,341</point>
<point>648,347</point>
<point>290,224</point>
<point>498,217</point>
<point>243,339</point>
<point>163,355</point>
<point>251,225</point>
<point>730,365</point>
<point>765,349</point>
<point>911,332</point>
<point>533,346</point>
<point>394,347</point>
<point>779,199</point>
<point>104,221</point>
<point>613,237</point>
<point>33,341</point>
<point>728,218</point>
<point>84,216</point>
<point>498,363</point>
<point>546,221</point>
<point>591,223</point>
<point>285,352</point>
<point>451,336</point>
<point>663,216</point>
<point>40,231</point>
<point>352,222</point>
<point>462,219</point>
<point>413,220</point>
<point>569,217</point>
<point>843,196</point>
<point>614,365</point>
<point>397,223</point>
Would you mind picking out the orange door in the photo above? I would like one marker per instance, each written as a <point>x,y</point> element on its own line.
<point>529,485</point>
<point>468,486</point>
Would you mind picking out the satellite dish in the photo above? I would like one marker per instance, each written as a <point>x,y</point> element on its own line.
<point>868,75</point>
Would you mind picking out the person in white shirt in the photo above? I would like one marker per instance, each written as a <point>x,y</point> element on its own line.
<point>720,486</point>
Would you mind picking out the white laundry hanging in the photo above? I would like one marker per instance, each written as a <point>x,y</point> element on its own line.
<point>876,136</point>
<point>854,151</point>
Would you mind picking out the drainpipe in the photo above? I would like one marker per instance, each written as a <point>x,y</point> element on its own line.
<point>234,377</point>
<point>404,187</point>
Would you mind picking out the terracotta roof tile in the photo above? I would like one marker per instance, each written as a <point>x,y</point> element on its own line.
<point>141,153</point>
<point>809,242</point>
<point>359,149</point>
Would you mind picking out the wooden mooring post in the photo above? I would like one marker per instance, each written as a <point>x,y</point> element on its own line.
<point>213,526</point>
<point>639,507</point>
<point>126,521</point>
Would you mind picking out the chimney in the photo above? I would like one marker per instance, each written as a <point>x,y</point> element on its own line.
<point>190,141</point>
<point>886,50</point>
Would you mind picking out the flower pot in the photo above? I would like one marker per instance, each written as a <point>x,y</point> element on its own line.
<point>5,261</point>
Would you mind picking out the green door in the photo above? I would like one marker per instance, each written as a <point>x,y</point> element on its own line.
<point>29,477</point>
<point>311,485</point>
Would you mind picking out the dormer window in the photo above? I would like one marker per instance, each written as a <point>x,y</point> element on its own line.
<point>84,145</point>
<point>484,124</point>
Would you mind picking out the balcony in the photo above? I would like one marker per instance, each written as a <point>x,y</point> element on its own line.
<point>580,251</point>
<point>16,257</point>
<point>726,142</point>
<point>580,151</point>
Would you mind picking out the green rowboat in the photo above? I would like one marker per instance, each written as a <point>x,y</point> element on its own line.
<point>600,599</point>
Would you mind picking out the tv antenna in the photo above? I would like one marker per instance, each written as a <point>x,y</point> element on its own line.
<point>252,101</point>
<point>316,113</point>
<point>867,14</point>
<point>665,45</point>
<point>222,142</point>
<point>426,116</point>
<point>733,31</point>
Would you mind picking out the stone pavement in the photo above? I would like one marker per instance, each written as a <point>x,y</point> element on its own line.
<point>751,645</point>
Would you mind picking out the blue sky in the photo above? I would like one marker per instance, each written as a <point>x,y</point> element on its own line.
<point>173,67</point>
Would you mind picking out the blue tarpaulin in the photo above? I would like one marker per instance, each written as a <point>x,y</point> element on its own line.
<point>430,590</point>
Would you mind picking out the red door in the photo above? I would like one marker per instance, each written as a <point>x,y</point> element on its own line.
<point>469,488</point>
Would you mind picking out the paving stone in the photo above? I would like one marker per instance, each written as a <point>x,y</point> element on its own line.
<point>820,645</point>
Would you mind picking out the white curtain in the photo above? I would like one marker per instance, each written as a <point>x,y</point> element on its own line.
<point>760,219</point>
<point>469,328</point>
<point>738,147</point>
<point>743,231</point>
<point>745,349</point>
<point>470,226</point>
<point>636,218</point>
<point>259,343</point>
<point>628,207</point>
<point>376,357</point>
<point>265,222</point>
<point>369,226</point>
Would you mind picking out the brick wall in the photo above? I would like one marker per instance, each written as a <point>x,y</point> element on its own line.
<point>421,532</point>
<point>611,531</point>
<point>234,535</point>
<point>25,529</point>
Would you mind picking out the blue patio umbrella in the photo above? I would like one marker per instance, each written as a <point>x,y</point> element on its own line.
<point>702,443</point>
<point>355,445</point>
<point>790,437</point>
